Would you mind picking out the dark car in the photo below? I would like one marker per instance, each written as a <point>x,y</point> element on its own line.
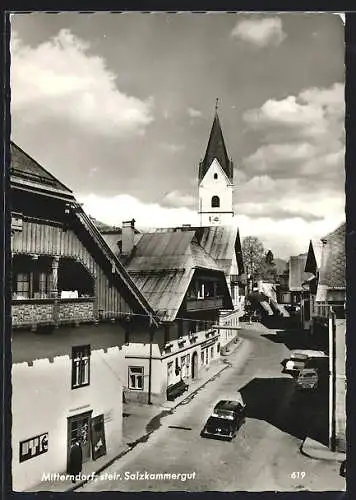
<point>226,419</point>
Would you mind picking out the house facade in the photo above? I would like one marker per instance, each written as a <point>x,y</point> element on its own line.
<point>187,290</point>
<point>329,322</point>
<point>72,302</point>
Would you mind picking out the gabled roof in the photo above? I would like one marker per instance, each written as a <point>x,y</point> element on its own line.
<point>297,274</point>
<point>216,149</point>
<point>27,174</point>
<point>162,265</point>
<point>25,171</point>
<point>333,267</point>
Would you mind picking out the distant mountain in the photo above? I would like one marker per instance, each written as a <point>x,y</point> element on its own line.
<point>281,265</point>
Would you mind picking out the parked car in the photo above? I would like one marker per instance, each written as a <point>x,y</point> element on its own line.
<point>295,363</point>
<point>308,379</point>
<point>226,419</point>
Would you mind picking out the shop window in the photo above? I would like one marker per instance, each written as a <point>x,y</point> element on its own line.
<point>80,366</point>
<point>215,202</point>
<point>136,377</point>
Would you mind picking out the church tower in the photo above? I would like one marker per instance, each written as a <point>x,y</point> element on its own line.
<point>216,177</point>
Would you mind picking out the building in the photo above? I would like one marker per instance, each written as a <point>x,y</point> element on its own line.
<point>329,321</point>
<point>73,305</point>
<point>187,289</point>
<point>215,181</point>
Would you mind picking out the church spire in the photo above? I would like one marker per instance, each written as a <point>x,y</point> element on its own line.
<point>216,149</point>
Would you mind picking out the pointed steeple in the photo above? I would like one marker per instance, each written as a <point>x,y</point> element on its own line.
<point>311,265</point>
<point>216,149</point>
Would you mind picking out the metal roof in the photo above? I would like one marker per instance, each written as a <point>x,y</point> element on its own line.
<point>162,266</point>
<point>333,267</point>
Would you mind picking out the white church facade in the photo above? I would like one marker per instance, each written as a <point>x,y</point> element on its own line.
<point>216,181</point>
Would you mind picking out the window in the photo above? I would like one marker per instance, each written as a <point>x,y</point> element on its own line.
<point>23,285</point>
<point>215,176</point>
<point>202,357</point>
<point>211,352</point>
<point>206,356</point>
<point>136,377</point>
<point>215,202</point>
<point>80,366</point>
<point>218,347</point>
<point>201,290</point>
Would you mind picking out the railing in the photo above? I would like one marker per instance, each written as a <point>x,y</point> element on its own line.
<point>323,309</point>
<point>207,303</point>
<point>37,312</point>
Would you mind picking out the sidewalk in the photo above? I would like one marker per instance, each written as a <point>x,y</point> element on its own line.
<point>139,421</point>
<point>318,451</point>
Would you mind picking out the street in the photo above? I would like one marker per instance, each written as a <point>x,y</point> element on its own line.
<point>265,455</point>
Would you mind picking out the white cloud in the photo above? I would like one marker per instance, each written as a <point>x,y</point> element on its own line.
<point>312,111</point>
<point>113,210</point>
<point>194,113</point>
<point>260,32</point>
<point>303,136</point>
<point>178,199</point>
<point>60,80</point>
<point>171,148</point>
<point>288,236</point>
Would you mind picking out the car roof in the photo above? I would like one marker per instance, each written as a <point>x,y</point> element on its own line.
<point>310,353</point>
<point>308,370</point>
<point>298,355</point>
<point>226,404</point>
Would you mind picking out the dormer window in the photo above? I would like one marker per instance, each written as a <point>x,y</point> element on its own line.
<point>215,202</point>
<point>215,176</point>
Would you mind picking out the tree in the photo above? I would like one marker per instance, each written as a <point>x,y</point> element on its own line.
<point>269,272</point>
<point>253,257</point>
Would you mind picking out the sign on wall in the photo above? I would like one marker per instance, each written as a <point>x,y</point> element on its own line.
<point>98,437</point>
<point>33,447</point>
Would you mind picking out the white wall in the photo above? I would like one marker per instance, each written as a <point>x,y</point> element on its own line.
<point>42,401</point>
<point>220,187</point>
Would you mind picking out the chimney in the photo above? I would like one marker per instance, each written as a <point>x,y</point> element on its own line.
<point>127,236</point>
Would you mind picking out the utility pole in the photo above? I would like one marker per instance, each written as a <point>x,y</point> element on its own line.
<point>150,361</point>
<point>332,379</point>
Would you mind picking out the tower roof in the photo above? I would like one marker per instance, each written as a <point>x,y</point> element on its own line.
<point>216,149</point>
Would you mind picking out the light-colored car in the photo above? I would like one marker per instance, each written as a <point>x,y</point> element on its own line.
<point>310,353</point>
<point>296,363</point>
<point>308,379</point>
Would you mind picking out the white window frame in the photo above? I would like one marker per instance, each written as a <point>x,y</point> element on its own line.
<point>137,372</point>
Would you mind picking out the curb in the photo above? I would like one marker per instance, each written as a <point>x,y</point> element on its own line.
<point>324,459</point>
<point>129,448</point>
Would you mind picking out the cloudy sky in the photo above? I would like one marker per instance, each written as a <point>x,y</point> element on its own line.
<point>119,107</point>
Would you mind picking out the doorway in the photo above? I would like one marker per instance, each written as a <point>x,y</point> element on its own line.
<point>195,365</point>
<point>79,428</point>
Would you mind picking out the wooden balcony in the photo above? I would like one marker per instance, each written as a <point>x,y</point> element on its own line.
<point>46,312</point>
<point>209,303</point>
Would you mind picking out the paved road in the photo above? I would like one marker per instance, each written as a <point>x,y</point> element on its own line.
<point>265,454</point>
